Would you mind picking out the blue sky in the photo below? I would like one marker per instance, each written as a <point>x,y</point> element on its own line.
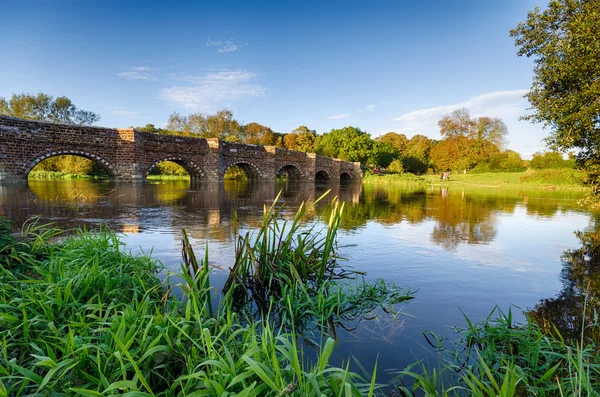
<point>381,66</point>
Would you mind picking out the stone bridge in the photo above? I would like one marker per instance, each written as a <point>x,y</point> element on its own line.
<point>129,155</point>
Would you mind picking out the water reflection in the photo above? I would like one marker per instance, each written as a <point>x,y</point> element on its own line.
<point>460,217</point>
<point>578,302</point>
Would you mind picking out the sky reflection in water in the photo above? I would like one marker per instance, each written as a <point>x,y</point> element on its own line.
<point>470,249</point>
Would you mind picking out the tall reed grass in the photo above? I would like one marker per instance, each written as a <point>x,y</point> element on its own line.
<point>81,316</point>
<point>497,357</point>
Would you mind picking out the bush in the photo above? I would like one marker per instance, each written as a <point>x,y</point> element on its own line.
<point>561,176</point>
<point>414,165</point>
<point>396,167</point>
<point>545,160</point>
<point>507,161</point>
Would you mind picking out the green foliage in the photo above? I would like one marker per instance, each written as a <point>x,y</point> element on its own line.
<point>168,168</point>
<point>67,167</point>
<point>499,358</point>
<point>545,160</point>
<point>559,176</point>
<point>414,164</point>
<point>506,161</point>
<point>564,41</point>
<point>218,125</point>
<point>83,317</point>
<point>301,139</point>
<point>405,179</point>
<point>396,167</point>
<point>399,141</point>
<point>235,173</point>
<point>43,107</point>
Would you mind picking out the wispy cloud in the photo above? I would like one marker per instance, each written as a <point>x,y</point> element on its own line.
<point>117,111</point>
<point>503,104</point>
<point>139,73</point>
<point>339,116</point>
<point>224,46</point>
<point>208,91</point>
<point>370,107</point>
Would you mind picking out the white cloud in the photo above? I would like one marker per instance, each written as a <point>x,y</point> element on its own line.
<point>139,73</point>
<point>117,111</point>
<point>370,107</point>
<point>214,89</point>
<point>339,116</point>
<point>503,104</point>
<point>225,46</point>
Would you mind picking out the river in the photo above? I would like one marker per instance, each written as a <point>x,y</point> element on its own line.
<point>462,250</point>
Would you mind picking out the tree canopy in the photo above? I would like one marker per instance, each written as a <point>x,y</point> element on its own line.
<point>564,42</point>
<point>44,107</point>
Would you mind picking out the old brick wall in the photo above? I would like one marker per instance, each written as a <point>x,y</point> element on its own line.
<point>24,143</point>
<point>193,154</point>
<point>258,163</point>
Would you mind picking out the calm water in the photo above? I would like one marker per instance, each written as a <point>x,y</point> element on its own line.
<point>467,250</point>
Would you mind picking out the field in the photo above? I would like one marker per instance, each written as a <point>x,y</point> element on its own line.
<point>550,179</point>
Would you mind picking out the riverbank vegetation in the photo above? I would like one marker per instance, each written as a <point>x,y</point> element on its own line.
<point>497,357</point>
<point>80,316</point>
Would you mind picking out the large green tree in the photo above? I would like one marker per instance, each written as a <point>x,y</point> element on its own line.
<point>564,42</point>
<point>44,107</point>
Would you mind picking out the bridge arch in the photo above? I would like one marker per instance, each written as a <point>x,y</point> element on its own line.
<point>106,165</point>
<point>194,170</point>
<point>345,177</point>
<point>322,176</point>
<point>293,171</point>
<point>251,170</point>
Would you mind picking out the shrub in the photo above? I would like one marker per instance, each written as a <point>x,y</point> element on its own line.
<point>396,167</point>
<point>546,160</point>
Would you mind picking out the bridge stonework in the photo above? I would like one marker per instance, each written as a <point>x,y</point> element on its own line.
<point>129,155</point>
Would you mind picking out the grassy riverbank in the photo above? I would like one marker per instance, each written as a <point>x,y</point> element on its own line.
<point>497,357</point>
<point>168,177</point>
<point>549,179</point>
<point>47,175</point>
<point>81,316</point>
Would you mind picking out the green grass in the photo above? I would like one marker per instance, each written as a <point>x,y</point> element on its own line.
<point>44,175</point>
<point>168,177</point>
<point>550,179</point>
<point>561,179</point>
<point>497,357</point>
<point>81,316</point>
<point>405,179</point>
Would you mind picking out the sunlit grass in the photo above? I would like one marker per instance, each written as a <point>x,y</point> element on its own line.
<point>81,316</point>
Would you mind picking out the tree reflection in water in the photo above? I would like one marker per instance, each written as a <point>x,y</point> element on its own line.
<point>569,311</point>
<point>205,210</point>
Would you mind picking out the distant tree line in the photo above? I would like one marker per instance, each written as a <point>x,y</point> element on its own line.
<point>467,143</point>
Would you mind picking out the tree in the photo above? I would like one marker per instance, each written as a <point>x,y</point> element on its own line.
<point>382,154</point>
<point>217,125</point>
<point>399,141</point>
<point>43,107</point>
<point>333,143</point>
<point>564,42</point>
<point>550,160</point>
<point>467,141</point>
<point>455,125</point>
<point>258,134</point>
<point>301,139</point>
